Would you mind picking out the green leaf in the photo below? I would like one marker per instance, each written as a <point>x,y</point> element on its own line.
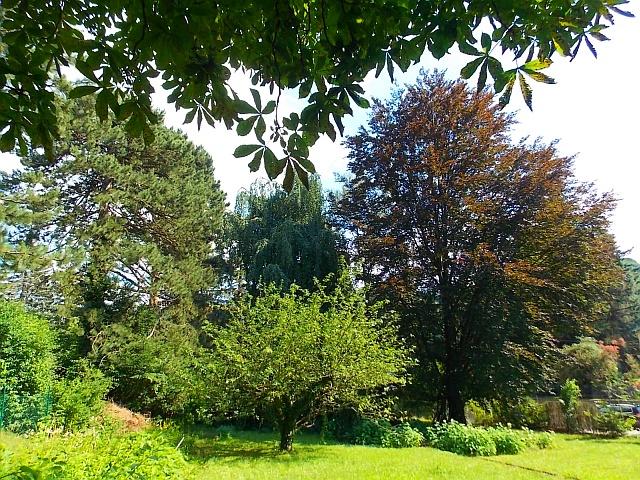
<point>467,49</point>
<point>272,164</point>
<point>561,45</point>
<point>86,70</point>
<point>599,36</point>
<point>261,127</point>
<point>506,96</point>
<point>269,108</point>
<point>305,88</point>
<point>256,98</point>
<point>482,78</point>
<point>102,105</point>
<point>245,126</point>
<point>303,175</point>
<point>287,184</point>
<point>307,164</point>
<point>244,150</point>
<point>188,118</point>
<point>83,91</point>
<point>495,68</point>
<point>526,91</point>
<point>539,76</point>
<point>254,165</point>
<point>470,68</point>
<point>241,106</point>
<point>7,141</point>
<point>537,64</point>
<point>485,41</point>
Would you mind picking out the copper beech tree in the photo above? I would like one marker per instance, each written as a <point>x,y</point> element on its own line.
<point>491,250</point>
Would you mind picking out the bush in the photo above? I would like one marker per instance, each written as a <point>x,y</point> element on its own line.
<point>380,432</point>
<point>479,414</point>
<point>507,441</point>
<point>106,454</point>
<point>461,439</point>
<point>569,399</point>
<point>27,343</point>
<point>405,436</point>
<point>79,399</point>
<point>24,413</point>
<point>163,375</point>
<point>468,440</point>
<point>612,423</point>
<point>527,413</point>
<point>371,431</point>
<point>539,440</point>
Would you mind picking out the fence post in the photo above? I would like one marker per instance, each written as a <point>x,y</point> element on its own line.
<point>3,406</point>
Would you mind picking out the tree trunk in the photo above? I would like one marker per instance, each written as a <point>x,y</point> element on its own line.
<point>453,397</point>
<point>286,435</point>
<point>452,381</point>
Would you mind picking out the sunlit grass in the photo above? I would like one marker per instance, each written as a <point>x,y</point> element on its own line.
<point>254,455</point>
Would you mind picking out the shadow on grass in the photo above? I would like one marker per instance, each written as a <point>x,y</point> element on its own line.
<point>203,445</point>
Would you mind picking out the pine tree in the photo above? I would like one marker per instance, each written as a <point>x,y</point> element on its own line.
<point>131,218</point>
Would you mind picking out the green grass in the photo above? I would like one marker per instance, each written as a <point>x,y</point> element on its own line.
<point>252,455</point>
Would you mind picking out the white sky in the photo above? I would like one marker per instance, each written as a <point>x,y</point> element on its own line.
<point>593,111</point>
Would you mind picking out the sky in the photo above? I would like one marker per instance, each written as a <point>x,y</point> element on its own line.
<point>593,112</point>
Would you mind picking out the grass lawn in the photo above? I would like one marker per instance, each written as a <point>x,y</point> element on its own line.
<point>251,455</point>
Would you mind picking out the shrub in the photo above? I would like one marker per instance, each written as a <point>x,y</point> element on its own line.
<point>404,436</point>
<point>507,441</point>
<point>342,423</point>
<point>461,439</point>
<point>479,414</point>
<point>527,413</point>
<point>468,440</point>
<point>24,413</point>
<point>371,431</point>
<point>78,399</point>
<point>105,454</point>
<point>380,432</point>
<point>569,399</point>
<point>27,343</point>
<point>612,423</point>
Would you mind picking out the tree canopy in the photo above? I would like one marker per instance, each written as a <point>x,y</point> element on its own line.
<point>491,250</point>
<point>296,355</point>
<point>141,217</point>
<point>280,238</point>
<point>324,49</point>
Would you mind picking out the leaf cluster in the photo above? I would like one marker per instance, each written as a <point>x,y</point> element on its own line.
<point>322,48</point>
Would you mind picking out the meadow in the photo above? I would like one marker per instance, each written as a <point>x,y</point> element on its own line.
<point>254,455</point>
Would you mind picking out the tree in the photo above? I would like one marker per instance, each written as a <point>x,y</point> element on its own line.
<point>323,49</point>
<point>623,318</point>
<point>490,250</point>
<point>593,365</point>
<point>281,238</point>
<point>299,354</point>
<point>139,218</point>
<point>27,343</point>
